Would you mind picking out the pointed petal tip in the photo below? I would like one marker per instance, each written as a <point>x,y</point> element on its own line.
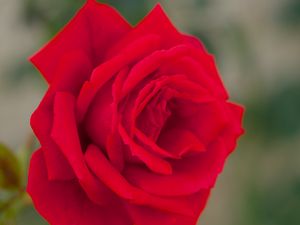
<point>159,9</point>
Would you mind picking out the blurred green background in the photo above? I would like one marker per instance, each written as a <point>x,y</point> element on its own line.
<point>257,47</point>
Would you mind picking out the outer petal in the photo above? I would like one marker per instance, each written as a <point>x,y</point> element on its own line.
<point>205,120</point>
<point>234,130</point>
<point>156,22</point>
<point>64,202</point>
<point>200,67</point>
<point>209,63</point>
<point>194,41</point>
<point>98,120</point>
<point>65,135</point>
<point>102,168</point>
<point>148,216</point>
<point>94,29</point>
<point>190,174</point>
<point>58,167</point>
<point>151,63</point>
<point>71,72</point>
<point>105,71</point>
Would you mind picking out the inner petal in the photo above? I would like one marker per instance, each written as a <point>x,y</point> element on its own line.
<point>151,120</point>
<point>152,110</point>
<point>206,120</point>
<point>99,117</point>
<point>180,141</point>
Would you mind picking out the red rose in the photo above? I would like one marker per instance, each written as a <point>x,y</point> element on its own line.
<point>135,126</point>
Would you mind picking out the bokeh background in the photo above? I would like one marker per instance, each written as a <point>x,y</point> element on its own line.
<point>257,48</point>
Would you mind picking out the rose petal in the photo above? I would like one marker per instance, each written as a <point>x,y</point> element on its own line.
<point>156,22</point>
<point>71,72</point>
<point>175,85</point>
<point>151,63</point>
<point>205,120</point>
<point>103,73</point>
<point>152,161</point>
<point>190,174</point>
<point>150,143</point>
<point>84,33</point>
<point>132,110</point>
<point>58,167</point>
<point>64,133</point>
<point>194,41</point>
<point>98,119</point>
<point>234,129</point>
<point>114,145</point>
<point>172,86</point>
<point>152,118</point>
<point>180,142</point>
<point>194,67</point>
<point>113,179</point>
<point>107,173</point>
<point>148,216</point>
<point>64,202</point>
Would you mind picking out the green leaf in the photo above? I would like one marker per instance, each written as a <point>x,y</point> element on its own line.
<point>10,170</point>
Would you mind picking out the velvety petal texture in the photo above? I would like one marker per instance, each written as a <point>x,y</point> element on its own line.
<point>65,203</point>
<point>135,126</point>
<point>92,31</point>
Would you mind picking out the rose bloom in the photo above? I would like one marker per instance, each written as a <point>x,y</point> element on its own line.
<point>135,126</point>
